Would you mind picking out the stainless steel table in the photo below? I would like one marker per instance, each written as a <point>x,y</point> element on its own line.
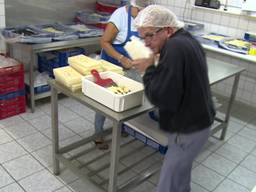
<point>117,118</point>
<point>218,71</point>
<point>31,50</point>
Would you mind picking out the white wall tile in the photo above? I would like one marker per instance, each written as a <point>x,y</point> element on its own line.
<point>2,14</point>
<point>2,21</point>
<point>2,9</point>
<point>243,23</point>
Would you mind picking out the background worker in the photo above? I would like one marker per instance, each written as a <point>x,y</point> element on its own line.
<point>119,30</point>
<point>179,87</point>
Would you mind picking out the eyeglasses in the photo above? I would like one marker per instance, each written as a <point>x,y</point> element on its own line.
<point>149,35</point>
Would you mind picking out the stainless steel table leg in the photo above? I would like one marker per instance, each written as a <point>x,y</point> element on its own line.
<point>55,130</point>
<point>114,159</point>
<point>31,81</point>
<point>230,103</point>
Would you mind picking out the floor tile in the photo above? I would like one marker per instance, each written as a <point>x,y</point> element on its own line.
<point>34,142</point>
<point>66,115</point>
<point>14,187</point>
<point>42,181</point>
<point>64,132</point>
<point>82,186</point>
<point>250,163</point>
<point>232,153</point>
<point>206,177</point>
<point>242,143</point>
<point>68,102</point>
<point>84,112</point>
<point>22,167</point>
<point>63,189</point>
<point>28,115</point>
<point>144,187</point>
<point>228,135</point>
<point>70,140</point>
<point>5,178</point>
<point>244,177</point>
<point>238,119</point>
<point>254,152</point>
<point>235,126</point>
<point>44,155</point>
<point>15,120</point>
<point>10,151</point>
<point>45,107</point>
<point>202,156</point>
<point>66,176</point>
<point>219,164</point>
<point>137,156</point>
<point>20,130</point>
<point>79,125</point>
<point>244,114</point>
<point>197,188</point>
<point>145,164</point>
<point>41,123</point>
<point>213,144</point>
<point>87,133</point>
<point>252,124</point>
<point>230,186</point>
<point>248,133</point>
<point>4,137</point>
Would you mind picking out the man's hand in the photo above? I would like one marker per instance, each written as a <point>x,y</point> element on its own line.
<point>142,64</point>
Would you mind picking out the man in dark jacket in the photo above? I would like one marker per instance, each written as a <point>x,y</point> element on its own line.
<point>179,86</point>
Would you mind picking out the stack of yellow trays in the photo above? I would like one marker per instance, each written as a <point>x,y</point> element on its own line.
<point>81,65</point>
<point>107,66</point>
<point>84,64</point>
<point>68,77</point>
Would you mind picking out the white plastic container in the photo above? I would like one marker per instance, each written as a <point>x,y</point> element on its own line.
<point>115,102</point>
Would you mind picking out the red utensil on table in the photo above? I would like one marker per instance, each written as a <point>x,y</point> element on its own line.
<point>108,82</point>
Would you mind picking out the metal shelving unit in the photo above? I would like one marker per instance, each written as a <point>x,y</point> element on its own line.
<point>27,54</point>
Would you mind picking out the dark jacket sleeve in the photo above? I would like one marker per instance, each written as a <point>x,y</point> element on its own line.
<point>164,83</point>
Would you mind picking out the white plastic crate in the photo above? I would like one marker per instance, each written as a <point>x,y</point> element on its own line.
<point>104,96</point>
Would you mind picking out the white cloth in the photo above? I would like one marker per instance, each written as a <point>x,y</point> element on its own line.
<point>120,19</point>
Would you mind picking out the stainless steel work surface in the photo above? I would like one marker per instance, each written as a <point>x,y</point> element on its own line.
<point>117,116</point>
<point>36,48</point>
<point>219,70</point>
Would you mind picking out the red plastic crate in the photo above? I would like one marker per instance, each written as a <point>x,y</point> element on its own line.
<point>11,79</point>
<point>105,8</point>
<point>12,107</point>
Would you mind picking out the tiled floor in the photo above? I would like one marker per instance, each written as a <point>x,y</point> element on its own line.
<point>26,165</point>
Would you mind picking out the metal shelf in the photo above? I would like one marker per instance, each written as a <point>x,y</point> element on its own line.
<point>27,54</point>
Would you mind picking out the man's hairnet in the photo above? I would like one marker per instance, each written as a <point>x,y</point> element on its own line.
<point>141,3</point>
<point>157,16</point>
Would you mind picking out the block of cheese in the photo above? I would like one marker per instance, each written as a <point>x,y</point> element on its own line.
<point>137,49</point>
<point>107,66</point>
<point>67,76</point>
<point>84,64</point>
<point>76,87</point>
